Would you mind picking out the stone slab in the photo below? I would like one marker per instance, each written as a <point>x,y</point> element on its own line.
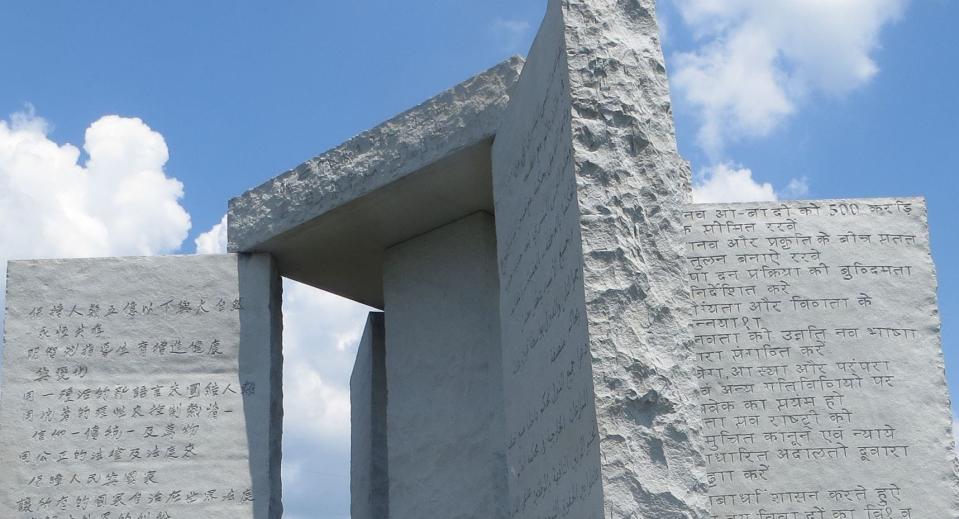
<point>631,182</point>
<point>588,190</point>
<point>369,463</point>
<point>553,461</point>
<point>141,387</point>
<point>443,373</point>
<point>819,359</point>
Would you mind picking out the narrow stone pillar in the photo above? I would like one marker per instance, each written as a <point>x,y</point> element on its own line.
<point>443,365</point>
<point>369,467</point>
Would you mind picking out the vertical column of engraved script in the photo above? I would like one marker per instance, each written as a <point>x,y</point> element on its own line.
<point>816,334</point>
<point>121,395</point>
<point>552,440</point>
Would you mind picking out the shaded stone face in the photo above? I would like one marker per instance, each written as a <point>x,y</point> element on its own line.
<point>444,374</point>
<point>819,360</point>
<point>328,222</point>
<point>553,444</point>
<point>141,386</point>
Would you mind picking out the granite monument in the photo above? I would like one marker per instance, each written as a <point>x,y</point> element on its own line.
<point>562,334</point>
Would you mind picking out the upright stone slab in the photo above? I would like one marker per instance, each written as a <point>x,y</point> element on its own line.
<point>588,188</point>
<point>819,359</point>
<point>443,371</point>
<point>369,464</point>
<point>141,388</point>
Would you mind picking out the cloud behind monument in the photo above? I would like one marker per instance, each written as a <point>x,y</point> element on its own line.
<point>757,63</point>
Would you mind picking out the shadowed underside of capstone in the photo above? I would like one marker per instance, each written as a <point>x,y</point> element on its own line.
<point>571,157</point>
<point>328,221</point>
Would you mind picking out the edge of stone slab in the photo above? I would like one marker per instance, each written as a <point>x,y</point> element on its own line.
<point>138,257</point>
<point>920,199</point>
<point>456,118</point>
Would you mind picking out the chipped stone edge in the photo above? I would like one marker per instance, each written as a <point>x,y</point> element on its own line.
<point>457,118</point>
<point>632,183</point>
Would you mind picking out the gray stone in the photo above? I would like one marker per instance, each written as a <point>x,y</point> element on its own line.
<point>588,186</point>
<point>148,386</point>
<point>369,464</point>
<point>536,359</point>
<point>444,374</point>
<point>328,221</point>
<point>581,171</point>
<point>819,360</point>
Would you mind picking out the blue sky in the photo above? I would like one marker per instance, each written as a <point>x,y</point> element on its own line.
<point>822,99</point>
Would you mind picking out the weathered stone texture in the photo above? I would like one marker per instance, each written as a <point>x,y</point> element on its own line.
<point>443,370</point>
<point>143,377</point>
<point>588,188</point>
<point>455,119</point>
<point>631,184</point>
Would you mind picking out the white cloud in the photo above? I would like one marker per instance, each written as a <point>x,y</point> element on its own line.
<point>727,183</point>
<point>118,202</point>
<point>214,240</point>
<point>759,59</point>
<point>321,333</point>
<point>511,35</point>
<point>732,183</point>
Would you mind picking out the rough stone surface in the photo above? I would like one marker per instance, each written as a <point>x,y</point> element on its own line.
<point>457,118</point>
<point>443,365</point>
<point>588,188</point>
<point>819,360</point>
<point>148,386</point>
<point>369,465</point>
<point>553,460</point>
<point>631,183</point>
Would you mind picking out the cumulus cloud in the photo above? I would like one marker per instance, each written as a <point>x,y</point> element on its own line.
<point>758,60</point>
<point>119,201</point>
<point>321,333</point>
<point>728,183</point>
<point>732,183</point>
<point>214,240</point>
